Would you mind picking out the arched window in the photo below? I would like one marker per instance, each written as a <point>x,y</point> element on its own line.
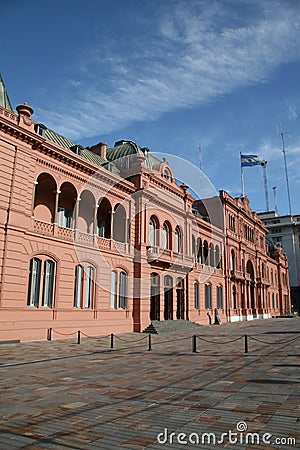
<point>84,286</point>
<point>193,246</point>
<point>153,231</point>
<point>218,262</point>
<point>78,286</point>
<point>119,224</point>
<point>220,297</point>
<point>44,198</point>
<point>180,298</point>
<point>104,219</point>
<point>166,236</point>
<point>208,296</point>
<point>86,212</point>
<point>34,282</point>
<point>123,290</point>
<point>118,290</point>
<point>48,283</point>
<point>205,253</point>
<point>212,255</point>
<point>199,251</point>
<point>166,174</point>
<point>232,260</point>
<point>154,296</point>
<point>66,205</point>
<point>89,282</point>
<point>178,240</point>
<point>168,297</point>
<point>234,298</point>
<point>114,290</point>
<point>273,301</point>
<point>196,295</point>
<point>41,282</point>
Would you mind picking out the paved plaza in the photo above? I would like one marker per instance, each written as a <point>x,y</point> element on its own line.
<point>64,395</point>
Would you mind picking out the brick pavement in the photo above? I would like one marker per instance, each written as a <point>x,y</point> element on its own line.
<point>61,395</point>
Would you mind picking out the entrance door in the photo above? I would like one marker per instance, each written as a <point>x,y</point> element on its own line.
<point>250,270</point>
<point>168,298</point>
<point>180,298</point>
<point>155,297</point>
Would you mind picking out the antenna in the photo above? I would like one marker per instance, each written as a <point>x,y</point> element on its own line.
<point>275,200</point>
<point>286,172</point>
<point>264,166</point>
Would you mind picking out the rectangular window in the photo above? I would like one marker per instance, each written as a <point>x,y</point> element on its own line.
<point>113,290</point>
<point>196,293</point>
<point>208,298</point>
<point>122,290</point>
<point>219,297</point>
<point>78,286</point>
<point>48,288</point>
<point>101,232</point>
<point>88,300</point>
<point>64,217</point>
<point>34,282</point>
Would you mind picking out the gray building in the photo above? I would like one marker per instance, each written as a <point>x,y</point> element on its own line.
<point>285,230</point>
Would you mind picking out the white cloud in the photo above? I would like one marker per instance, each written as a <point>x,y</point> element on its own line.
<point>292,112</point>
<point>197,52</point>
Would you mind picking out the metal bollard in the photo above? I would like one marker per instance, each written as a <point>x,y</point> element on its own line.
<point>149,343</point>
<point>78,337</point>
<point>49,334</point>
<point>194,343</point>
<point>246,343</point>
<point>112,340</point>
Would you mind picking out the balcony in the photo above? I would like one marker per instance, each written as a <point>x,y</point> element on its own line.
<point>44,228</point>
<point>263,281</point>
<point>168,256</point>
<point>237,275</point>
<point>78,237</point>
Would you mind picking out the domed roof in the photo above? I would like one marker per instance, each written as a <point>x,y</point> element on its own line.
<point>127,150</point>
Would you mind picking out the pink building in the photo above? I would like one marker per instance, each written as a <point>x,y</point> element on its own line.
<point>104,240</point>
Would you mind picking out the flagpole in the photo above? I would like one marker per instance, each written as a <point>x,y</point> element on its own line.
<point>242,177</point>
<point>264,166</point>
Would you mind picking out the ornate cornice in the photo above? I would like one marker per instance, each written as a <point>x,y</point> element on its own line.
<point>9,124</point>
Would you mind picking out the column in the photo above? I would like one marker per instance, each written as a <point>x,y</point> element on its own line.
<point>95,219</point>
<point>35,183</point>
<point>112,224</point>
<point>76,212</point>
<point>57,192</point>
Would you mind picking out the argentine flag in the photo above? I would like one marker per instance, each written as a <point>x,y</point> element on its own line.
<point>250,160</point>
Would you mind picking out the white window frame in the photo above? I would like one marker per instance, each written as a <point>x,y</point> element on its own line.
<point>118,289</point>
<point>197,295</point>
<point>64,217</point>
<point>84,291</point>
<point>41,282</point>
<point>208,296</point>
<point>220,298</point>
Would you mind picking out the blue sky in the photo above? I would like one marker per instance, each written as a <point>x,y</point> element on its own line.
<point>168,74</point>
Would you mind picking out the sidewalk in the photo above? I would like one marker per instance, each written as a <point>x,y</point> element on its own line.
<point>61,395</point>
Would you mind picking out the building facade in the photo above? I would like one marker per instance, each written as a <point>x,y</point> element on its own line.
<point>285,231</point>
<point>104,240</point>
